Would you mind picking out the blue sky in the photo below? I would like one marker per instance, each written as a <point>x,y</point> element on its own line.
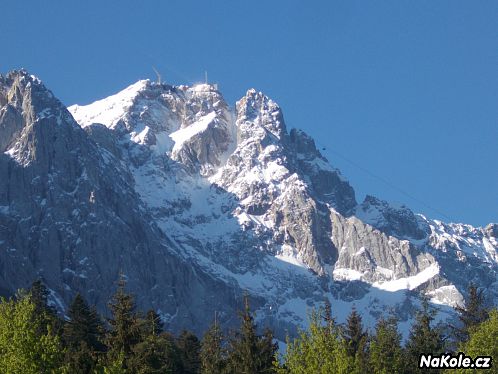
<point>402,94</point>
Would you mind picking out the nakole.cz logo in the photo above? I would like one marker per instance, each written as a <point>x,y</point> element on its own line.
<point>459,361</point>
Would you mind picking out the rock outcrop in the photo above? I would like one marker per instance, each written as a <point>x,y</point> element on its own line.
<point>196,203</point>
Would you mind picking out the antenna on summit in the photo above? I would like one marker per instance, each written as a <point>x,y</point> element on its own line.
<point>215,85</point>
<point>158,75</point>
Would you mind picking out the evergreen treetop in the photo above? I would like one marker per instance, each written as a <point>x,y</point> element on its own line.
<point>424,338</point>
<point>472,313</point>
<point>125,323</point>
<point>213,354</point>
<point>386,355</point>
<point>250,353</point>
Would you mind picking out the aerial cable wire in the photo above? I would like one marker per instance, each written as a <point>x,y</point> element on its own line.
<point>387,183</point>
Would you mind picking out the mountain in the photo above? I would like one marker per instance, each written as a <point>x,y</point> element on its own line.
<point>197,203</point>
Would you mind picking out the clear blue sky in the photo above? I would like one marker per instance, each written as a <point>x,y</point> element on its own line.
<point>402,90</point>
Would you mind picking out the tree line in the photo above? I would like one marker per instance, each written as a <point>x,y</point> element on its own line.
<point>34,339</point>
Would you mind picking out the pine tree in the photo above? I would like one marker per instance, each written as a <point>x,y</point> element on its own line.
<point>244,347</point>
<point>125,324</point>
<point>353,333</point>
<point>471,314</point>
<point>189,348</point>
<point>424,338</point>
<point>385,348</point>
<point>330,323</point>
<point>157,354</point>
<point>249,352</point>
<point>82,335</point>
<point>39,295</point>
<point>45,312</point>
<point>154,351</point>
<point>152,324</point>
<point>212,352</point>
<point>267,351</point>
<point>356,339</point>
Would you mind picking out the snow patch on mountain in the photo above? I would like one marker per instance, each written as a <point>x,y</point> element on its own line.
<point>446,295</point>
<point>260,209</point>
<point>465,240</point>
<point>347,274</point>
<point>108,111</point>
<point>182,135</point>
<point>409,283</point>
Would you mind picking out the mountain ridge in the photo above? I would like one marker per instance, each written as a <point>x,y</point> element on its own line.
<point>227,200</point>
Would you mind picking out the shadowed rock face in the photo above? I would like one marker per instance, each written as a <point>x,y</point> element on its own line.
<point>196,203</point>
<point>71,216</point>
<point>327,182</point>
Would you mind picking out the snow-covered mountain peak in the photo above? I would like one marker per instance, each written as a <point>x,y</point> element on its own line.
<point>28,109</point>
<point>159,116</point>
<point>22,77</point>
<point>259,109</point>
<point>110,110</point>
<point>201,88</point>
<point>26,92</point>
<point>198,201</point>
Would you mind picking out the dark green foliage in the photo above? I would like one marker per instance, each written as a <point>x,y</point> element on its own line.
<point>424,338</point>
<point>156,354</point>
<point>84,325</point>
<point>243,346</point>
<point>82,335</point>
<point>356,339</point>
<point>267,351</point>
<point>353,333</point>
<point>29,344</point>
<point>80,359</point>
<point>327,316</point>
<point>385,348</point>
<point>45,312</point>
<point>39,296</point>
<point>152,324</point>
<point>155,350</point>
<point>472,314</point>
<point>189,348</point>
<point>212,352</point>
<point>125,324</point>
<point>250,353</point>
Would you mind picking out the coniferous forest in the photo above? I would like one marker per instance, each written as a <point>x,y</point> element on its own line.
<point>34,339</point>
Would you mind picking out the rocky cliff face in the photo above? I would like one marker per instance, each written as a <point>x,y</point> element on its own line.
<point>196,203</point>
<point>70,213</point>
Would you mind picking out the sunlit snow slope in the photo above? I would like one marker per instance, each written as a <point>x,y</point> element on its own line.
<point>198,202</point>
